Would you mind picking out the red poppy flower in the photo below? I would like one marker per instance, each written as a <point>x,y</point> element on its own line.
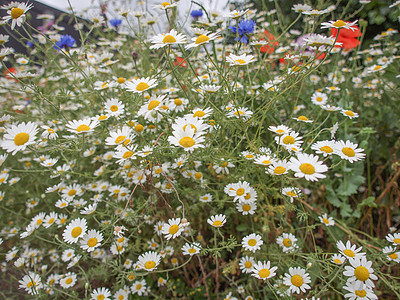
<point>180,62</point>
<point>272,43</point>
<point>347,37</point>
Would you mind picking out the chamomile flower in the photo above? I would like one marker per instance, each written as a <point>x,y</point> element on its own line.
<point>114,107</point>
<point>252,242</point>
<point>246,264</point>
<point>240,60</point>
<point>172,229</point>
<point>303,119</point>
<point>187,139</point>
<point>280,130</point>
<point>339,24</point>
<point>202,39</point>
<point>17,13</point>
<point>349,250</point>
<point>150,110</point>
<point>263,270</point>
<point>349,113</point>
<point>101,293</point>
<point>202,113</point>
<point>206,198</point>
<point>91,240</point>
<point>394,239</point>
<point>217,220</point>
<point>31,283</point>
<point>18,137</point>
<point>360,272</point>
<point>328,221</point>
<point>287,242</point>
<point>291,138</point>
<point>120,136</point>
<point>264,160</point>
<point>307,166</point>
<point>338,259</point>
<point>75,230</point>
<point>349,151</point>
<point>391,254</point>
<point>139,287</point>
<point>297,280</point>
<point>166,5</point>
<point>278,167</point>
<point>140,85</point>
<point>191,249</point>
<point>165,39</point>
<point>359,293</point>
<point>247,208</point>
<point>82,126</point>
<point>68,280</point>
<point>324,147</point>
<point>149,261</point>
<point>291,192</point>
<point>50,219</point>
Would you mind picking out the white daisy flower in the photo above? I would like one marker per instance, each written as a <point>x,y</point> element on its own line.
<point>240,60</point>
<point>17,13</point>
<point>169,38</point>
<point>101,293</point>
<point>246,208</point>
<point>217,220</point>
<point>263,270</point>
<point>391,254</point>
<point>328,221</point>
<point>246,264</point>
<point>31,283</point>
<point>349,250</point>
<point>121,136</point>
<point>297,280</point>
<point>359,293</point>
<point>291,138</point>
<point>287,242</point>
<point>307,166</point>
<point>82,126</point>
<point>348,113</point>
<point>68,280</point>
<point>278,167</point>
<point>339,24</point>
<point>91,240</point>
<point>349,151</point>
<point>338,259</point>
<point>252,242</point>
<point>360,272</point>
<point>114,107</point>
<point>149,261</point>
<point>323,147</point>
<point>18,137</point>
<point>202,39</point>
<point>140,85</point>
<point>393,238</point>
<point>76,229</point>
<point>172,229</point>
<point>139,287</point>
<point>292,192</point>
<point>187,139</point>
<point>191,249</point>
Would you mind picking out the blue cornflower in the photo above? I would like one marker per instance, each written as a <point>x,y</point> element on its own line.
<point>115,22</point>
<point>245,27</point>
<point>196,13</point>
<point>64,42</point>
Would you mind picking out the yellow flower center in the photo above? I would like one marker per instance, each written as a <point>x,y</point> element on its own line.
<point>348,151</point>
<point>173,229</point>
<point>186,142</point>
<point>198,175</point>
<point>349,113</point>
<point>68,281</point>
<point>248,264</point>
<point>100,297</point>
<point>31,284</point>
<point>288,140</point>
<point>280,131</point>
<point>348,253</point>
<point>21,138</point>
<point>361,273</point>
<point>38,222</point>
<point>51,221</point>
<point>83,127</point>
<point>246,207</point>
<point>103,117</point>
<point>199,114</point>
<point>164,4</point>
<point>325,220</point>
<point>307,168</point>
<point>279,170</point>
<point>127,154</point>
<point>16,12</point>
<point>302,118</point>
<point>139,127</point>
<point>150,265</point>
<point>319,99</point>
<point>217,223</point>
<point>202,39</point>
<point>337,261</point>
<point>153,104</point>
<point>291,194</point>
<point>264,273</point>
<point>360,293</point>
<point>76,232</point>
<point>224,164</point>
<point>396,241</point>
<point>247,196</point>
<point>114,108</point>
<point>92,242</point>
<point>249,156</point>
<point>169,39</point>
<point>121,80</point>
<point>297,280</point>
<point>377,68</point>
<point>192,250</point>
<point>192,126</point>
<point>120,139</point>
<point>240,191</point>
<point>287,242</point>
<point>393,255</point>
<point>142,86</point>
<point>240,61</point>
<point>326,149</point>
<point>178,102</point>
<point>252,242</point>
<point>339,23</point>
<point>71,193</point>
